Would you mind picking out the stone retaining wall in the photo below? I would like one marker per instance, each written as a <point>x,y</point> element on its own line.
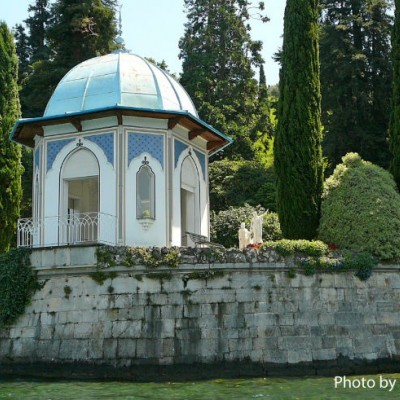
<point>248,314</point>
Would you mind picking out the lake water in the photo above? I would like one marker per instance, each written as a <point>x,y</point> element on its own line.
<point>224,389</point>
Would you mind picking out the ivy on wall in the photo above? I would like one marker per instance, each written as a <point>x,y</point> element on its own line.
<point>18,283</point>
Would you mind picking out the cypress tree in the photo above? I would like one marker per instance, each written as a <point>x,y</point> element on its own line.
<point>394,131</point>
<point>298,154</point>
<point>10,153</point>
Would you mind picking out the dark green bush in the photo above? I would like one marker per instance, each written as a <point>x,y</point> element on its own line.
<point>18,283</point>
<point>361,209</point>
<point>236,183</point>
<point>225,224</point>
<point>286,247</point>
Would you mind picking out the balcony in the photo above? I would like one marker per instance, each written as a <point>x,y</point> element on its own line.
<point>77,229</point>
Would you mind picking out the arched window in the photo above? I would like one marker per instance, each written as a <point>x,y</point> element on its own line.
<point>145,193</point>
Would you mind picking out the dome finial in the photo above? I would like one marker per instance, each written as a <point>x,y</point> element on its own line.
<point>119,40</point>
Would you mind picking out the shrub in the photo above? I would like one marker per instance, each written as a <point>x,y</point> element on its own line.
<point>361,209</point>
<point>225,224</point>
<point>286,247</point>
<point>18,283</point>
<point>236,183</point>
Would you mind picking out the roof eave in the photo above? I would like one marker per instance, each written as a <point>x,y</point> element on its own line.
<point>39,122</point>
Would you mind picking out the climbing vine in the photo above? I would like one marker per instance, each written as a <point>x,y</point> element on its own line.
<point>18,284</point>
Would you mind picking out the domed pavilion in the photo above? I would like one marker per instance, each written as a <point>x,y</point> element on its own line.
<point>120,157</point>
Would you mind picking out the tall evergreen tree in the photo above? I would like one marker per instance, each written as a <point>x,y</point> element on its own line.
<point>61,35</point>
<point>394,131</point>
<point>81,29</point>
<point>10,154</point>
<point>218,57</point>
<point>298,153</point>
<point>355,78</point>
<point>37,24</point>
<point>23,52</point>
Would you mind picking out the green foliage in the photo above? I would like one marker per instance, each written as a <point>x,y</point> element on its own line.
<point>356,78</point>
<point>153,257</point>
<point>218,56</point>
<point>225,224</point>
<point>235,183</point>
<point>61,35</point>
<point>394,129</point>
<point>361,209</point>
<point>271,227</point>
<point>67,291</point>
<point>160,276</point>
<point>286,247</point>
<point>361,263</point>
<point>298,154</point>
<point>10,153</point>
<point>18,283</point>
<point>202,275</point>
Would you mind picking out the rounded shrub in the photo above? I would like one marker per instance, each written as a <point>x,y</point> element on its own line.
<point>225,224</point>
<point>360,209</point>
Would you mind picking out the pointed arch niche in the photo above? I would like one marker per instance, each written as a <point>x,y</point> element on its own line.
<point>190,200</point>
<point>79,197</point>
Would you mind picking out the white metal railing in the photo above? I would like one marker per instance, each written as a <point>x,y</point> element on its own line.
<point>80,228</point>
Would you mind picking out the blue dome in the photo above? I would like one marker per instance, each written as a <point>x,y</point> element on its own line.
<point>118,79</point>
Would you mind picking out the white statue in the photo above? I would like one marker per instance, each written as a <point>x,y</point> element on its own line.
<point>244,236</point>
<point>256,228</point>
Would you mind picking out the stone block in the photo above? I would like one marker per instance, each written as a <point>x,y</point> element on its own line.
<point>308,318</point>
<point>126,348</point>
<point>295,330</point>
<point>390,318</point>
<point>171,311</point>
<point>159,299</point>
<point>47,349</point>
<point>46,332</point>
<point>110,349</point>
<point>168,348</point>
<point>324,354</point>
<point>62,257</point>
<point>348,318</point>
<point>127,329</point>
<point>5,348</point>
<point>83,255</point>
<point>192,310</point>
<point>299,355</point>
<point>285,319</point>
<point>326,319</point>
<point>329,342</point>
<point>152,312</point>
<point>95,349</point>
<point>294,342</point>
<point>83,330</point>
<point>275,355</point>
<point>120,300</point>
<point>64,331</point>
<point>167,328</point>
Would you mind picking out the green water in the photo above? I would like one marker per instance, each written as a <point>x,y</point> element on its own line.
<point>261,388</point>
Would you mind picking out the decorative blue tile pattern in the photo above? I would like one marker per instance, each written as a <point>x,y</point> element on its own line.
<point>53,148</point>
<point>202,159</point>
<point>139,143</point>
<point>179,148</point>
<point>106,143</point>
<point>37,158</point>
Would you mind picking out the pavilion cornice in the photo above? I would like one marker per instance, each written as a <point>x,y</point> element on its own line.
<point>25,130</point>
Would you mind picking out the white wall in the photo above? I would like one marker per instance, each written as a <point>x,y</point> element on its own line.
<point>52,190</point>
<point>156,234</point>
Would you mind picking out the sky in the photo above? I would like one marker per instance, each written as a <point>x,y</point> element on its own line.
<point>152,28</point>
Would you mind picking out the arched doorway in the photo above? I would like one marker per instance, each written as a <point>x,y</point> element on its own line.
<point>190,200</point>
<point>79,198</point>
